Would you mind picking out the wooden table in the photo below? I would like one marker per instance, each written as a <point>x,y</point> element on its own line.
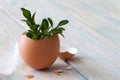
<point>94,29</point>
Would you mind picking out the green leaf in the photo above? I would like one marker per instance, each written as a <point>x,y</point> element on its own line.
<point>38,27</point>
<point>46,33</point>
<point>62,35</point>
<point>35,36</point>
<point>44,25</point>
<point>24,20</point>
<point>26,13</point>
<point>32,27</point>
<point>63,22</point>
<point>61,28</point>
<point>30,31</point>
<point>29,24</point>
<point>56,31</point>
<point>50,21</point>
<point>33,18</point>
<point>29,34</point>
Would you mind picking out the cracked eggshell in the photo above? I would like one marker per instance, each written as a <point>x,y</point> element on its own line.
<point>67,52</point>
<point>39,54</point>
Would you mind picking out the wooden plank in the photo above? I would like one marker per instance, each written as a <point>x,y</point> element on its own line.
<point>95,68</point>
<point>14,76</point>
<point>50,73</point>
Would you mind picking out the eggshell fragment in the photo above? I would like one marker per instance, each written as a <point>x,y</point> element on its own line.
<point>67,52</point>
<point>68,49</point>
<point>57,72</point>
<point>66,55</point>
<point>69,68</point>
<point>29,76</point>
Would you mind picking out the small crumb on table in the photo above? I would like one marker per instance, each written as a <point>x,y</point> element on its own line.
<point>29,76</point>
<point>69,67</point>
<point>58,72</point>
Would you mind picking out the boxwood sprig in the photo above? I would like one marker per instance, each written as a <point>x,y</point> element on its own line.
<point>43,30</point>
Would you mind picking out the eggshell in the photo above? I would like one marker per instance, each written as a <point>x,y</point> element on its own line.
<point>29,76</point>
<point>67,52</point>
<point>39,54</point>
<point>66,55</point>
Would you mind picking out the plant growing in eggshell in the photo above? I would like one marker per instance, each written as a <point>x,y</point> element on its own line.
<point>39,47</point>
<point>43,30</point>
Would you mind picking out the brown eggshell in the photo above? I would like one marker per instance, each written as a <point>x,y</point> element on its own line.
<point>39,54</point>
<point>29,76</point>
<point>66,55</point>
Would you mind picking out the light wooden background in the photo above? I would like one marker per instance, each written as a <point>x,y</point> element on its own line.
<point>94,29</point>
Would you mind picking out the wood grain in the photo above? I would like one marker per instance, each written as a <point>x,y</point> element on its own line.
<point>51,74</point>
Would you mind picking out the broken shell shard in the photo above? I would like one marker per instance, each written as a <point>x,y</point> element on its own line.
<point>68,49</point>
<point>67,52</point>
<point>29,76</point>
<point>66,55</point>
<point>59,71</point>
<point>69,67</point>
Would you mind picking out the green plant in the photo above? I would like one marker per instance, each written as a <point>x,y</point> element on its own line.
<point>43,30</point>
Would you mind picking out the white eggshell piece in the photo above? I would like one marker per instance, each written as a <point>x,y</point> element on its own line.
<point>68,49</point>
